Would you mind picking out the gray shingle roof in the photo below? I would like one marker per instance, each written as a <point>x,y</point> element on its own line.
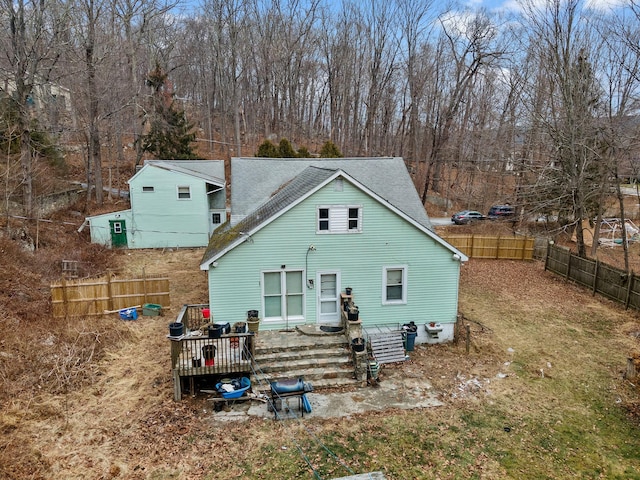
<point>265,187</point>
<point>254,180</point>
<point>295,189</point>
<point>211,171</point>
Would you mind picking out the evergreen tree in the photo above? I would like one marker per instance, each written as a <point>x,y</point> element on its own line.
<point>330,150</point>
<point>169,135</point>
<point>303,152</point>
<point>267,150</point>
<point>285,150</point>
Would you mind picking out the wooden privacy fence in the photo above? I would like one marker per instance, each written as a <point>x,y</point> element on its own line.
<point>601,278</point>
<point>505,248</point>
<point>94,296</point>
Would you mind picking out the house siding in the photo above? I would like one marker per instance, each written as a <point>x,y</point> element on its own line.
<point>386,240</point>
<point>158,219</point>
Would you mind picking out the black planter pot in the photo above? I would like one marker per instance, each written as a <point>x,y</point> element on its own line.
<point>352,315</point>
<point>176,329</point>
<point>358,344</point>
<point>215,331</point>
<point>226,327</point>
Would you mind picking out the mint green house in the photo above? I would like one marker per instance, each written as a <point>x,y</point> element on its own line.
<point>303,230</point>
<point>174,203</point>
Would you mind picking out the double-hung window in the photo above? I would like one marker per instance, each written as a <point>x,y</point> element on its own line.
<point>339,219</point>
<point>283,295</point>
<point>394,284</point>
<point>184,192</point>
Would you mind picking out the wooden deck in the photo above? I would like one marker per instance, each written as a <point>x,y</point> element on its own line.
<point>195,354</point>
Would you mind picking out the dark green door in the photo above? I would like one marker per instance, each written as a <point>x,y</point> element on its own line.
<point>118,233</point>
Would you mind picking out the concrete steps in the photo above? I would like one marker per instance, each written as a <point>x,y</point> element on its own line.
<point>322,361</point>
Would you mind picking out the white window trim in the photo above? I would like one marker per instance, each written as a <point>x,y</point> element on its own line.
<point>178,187</point>
<point>283,281</point>
<point>334,210</point>
<point>403,300</point>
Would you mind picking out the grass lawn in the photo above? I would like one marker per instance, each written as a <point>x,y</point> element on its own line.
<point>560,411</point>
<point>541,394</point>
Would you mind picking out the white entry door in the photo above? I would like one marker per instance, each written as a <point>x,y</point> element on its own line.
<point>328,297</point>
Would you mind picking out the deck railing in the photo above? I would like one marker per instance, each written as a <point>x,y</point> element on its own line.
<point>192,316</point>
<point>195,353</point>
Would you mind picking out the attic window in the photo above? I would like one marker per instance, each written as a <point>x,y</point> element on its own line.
<point>148,189</point>
<point>339,219</point>
<point>184,192</point>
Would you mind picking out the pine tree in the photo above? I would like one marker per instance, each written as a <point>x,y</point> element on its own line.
<point>330,150</point>
<point>169,135</point>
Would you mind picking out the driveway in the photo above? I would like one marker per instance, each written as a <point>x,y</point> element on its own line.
<point>441,221</point>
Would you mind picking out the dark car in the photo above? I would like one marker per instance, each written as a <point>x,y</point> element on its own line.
<point>501,211</point>
<point>466,216</point>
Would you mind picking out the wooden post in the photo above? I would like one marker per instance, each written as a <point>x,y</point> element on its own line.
<point>568,266</point>
<point>595,278</point>
<point>546,258</point>
<point>468,339</point>
<point>109,291</point>
<point>632,371</point>
<point>630,278</point>
<point>176,348</point>
<point>64,298</point>
<point>144,284</point>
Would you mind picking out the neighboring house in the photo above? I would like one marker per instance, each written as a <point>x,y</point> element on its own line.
<point>174,203</point>
<point>48,100</point>
<point>302,230</point>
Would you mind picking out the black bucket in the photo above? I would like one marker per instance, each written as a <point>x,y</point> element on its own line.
<point>240,327</point>
<point>215,331</point>
<point>352,315</point>
<point>176,329</point>
<point>252,313</point>
<point>226,327</point>
<point>209,353</point>
<point>410,327</point>
<point>358,344</point>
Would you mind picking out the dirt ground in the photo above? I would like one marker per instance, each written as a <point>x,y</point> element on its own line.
<point>120,420</point>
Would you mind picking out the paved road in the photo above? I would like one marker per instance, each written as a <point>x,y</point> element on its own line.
<point>440,221</point>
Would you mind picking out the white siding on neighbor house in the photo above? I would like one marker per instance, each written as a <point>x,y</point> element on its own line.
<point>386,240</point>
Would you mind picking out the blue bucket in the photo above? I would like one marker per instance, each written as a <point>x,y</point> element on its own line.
<point>128,314</point>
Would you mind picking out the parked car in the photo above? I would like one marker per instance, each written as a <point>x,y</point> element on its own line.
<point>501,211</point>
<point>466,216</point>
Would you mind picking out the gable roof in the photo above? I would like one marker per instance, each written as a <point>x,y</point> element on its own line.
<point>254,180</point>
<point>211,171</point>
<point>289,195</point>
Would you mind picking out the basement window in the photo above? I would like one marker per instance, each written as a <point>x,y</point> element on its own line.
<point>148,189</point>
